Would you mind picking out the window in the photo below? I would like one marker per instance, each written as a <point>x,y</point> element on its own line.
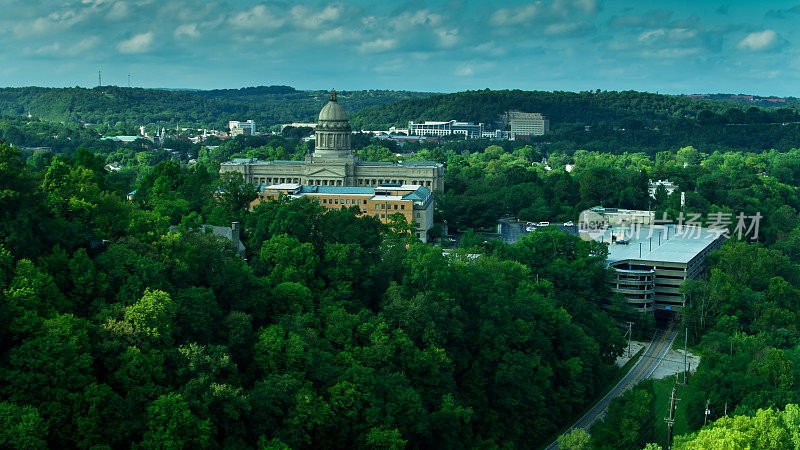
<point>347,201</point>
<point>395,206</point>
<point>383,206</point>
<point>383,216</point>
<point>336,201</point>
<point>376,206</point>
<point>417,215</point>
<point>324,201</point>
<point>402,206</point>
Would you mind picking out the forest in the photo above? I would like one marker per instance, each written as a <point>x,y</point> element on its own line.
<point>119,110</point>
<point>336,331</point>
<point>626,109</point>
<point>127,323</point>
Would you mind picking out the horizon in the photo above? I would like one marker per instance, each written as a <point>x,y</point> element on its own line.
<point>395,90</point>
<point>444,47</point>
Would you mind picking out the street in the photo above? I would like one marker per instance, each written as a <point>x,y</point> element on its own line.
<point>642,370</point>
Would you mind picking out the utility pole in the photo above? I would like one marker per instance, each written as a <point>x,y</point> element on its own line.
<point>99,79</point>
<point>671,419</point>
<point>685,352</point>
<point>708,411</point>
<point>630,335</point>
<point>726,408</point>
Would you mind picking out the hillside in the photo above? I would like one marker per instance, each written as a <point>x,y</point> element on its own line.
<point>267,105</point>
<point>560,107</point>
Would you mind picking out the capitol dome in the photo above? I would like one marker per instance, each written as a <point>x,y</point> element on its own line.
<point>333,111</point>
<point>333,131</point>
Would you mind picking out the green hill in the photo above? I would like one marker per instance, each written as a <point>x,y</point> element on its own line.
<point>594,107</point>
<point>110,105</point>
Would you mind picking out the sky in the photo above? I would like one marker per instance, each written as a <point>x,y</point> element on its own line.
<point>676,47</point>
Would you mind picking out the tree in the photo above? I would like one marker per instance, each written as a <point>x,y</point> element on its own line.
<point>576,439</point>
<point>21,427</point>
<point>171,424</point>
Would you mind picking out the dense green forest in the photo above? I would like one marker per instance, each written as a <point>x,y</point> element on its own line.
<point>335,332</point>
<point>126,324</point>
<point>626,109</point>
<point>124,110</point>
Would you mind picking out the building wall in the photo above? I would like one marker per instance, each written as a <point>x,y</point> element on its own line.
<point>381,209</point>
<point>649,285</point>
<point>333,174</point>
<point>528,124</point>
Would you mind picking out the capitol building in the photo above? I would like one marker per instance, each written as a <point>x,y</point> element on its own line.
<point>333,162</point>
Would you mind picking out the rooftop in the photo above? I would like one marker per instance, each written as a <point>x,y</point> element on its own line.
<point>683,244</point>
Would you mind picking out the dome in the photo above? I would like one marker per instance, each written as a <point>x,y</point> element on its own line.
<point>333,111</point>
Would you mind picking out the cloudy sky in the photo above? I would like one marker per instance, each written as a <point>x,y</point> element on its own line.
<point>667,46</point>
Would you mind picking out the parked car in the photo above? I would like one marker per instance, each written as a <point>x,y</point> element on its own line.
<point>530,228</point>
<point>543,224</point>
<point>569,224</point>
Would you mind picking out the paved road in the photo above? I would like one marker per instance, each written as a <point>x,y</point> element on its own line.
<point>642,370</point>
<point>511,232</point>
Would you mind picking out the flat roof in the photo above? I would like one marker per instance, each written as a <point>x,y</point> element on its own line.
<point>684,242</point>
<point>387,197</point>
<point>283,186</point>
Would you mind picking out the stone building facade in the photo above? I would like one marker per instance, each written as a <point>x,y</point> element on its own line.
<point>334,164</point>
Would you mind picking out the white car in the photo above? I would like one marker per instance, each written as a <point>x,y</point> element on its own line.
<point>543,224</point>
<point>569,224</point>
<point>530,228</point>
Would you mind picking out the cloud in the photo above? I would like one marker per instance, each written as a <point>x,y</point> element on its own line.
<point>306,17</point>
<point>338,34</point>
<point>472,68</point>
<point>377,46</point>
<point>257,17</point>
<point>448,37</point>
<point>563,29</point>
<point>139,43</point>
<point>782,13</point>
<point>118,11</point>
<point>187,30</point>
<point>540,11</point>
<point>653,18</point>
<point>761,41</point>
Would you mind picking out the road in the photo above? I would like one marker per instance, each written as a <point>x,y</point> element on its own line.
<point>642,370</point>
<point>512,231</point>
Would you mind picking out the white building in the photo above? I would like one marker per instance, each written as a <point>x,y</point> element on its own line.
<point>246,128</point>
<point>525,124</point>
<point>668,186</point>
<point>428,128</point>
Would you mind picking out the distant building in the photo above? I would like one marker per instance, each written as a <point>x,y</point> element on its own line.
<point>414,202</point>
<point>246,128</point>
<point>669,186</point>
<point>334,164</point>
<point>625,217</point>
<point>231,233</point>
<point>497,135</point>
<point>298,125</point>
<point>127,139</point>
<point>428,128</point>
<point>525,125</point>
<point>649,264</point>
<point>401,139</point>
